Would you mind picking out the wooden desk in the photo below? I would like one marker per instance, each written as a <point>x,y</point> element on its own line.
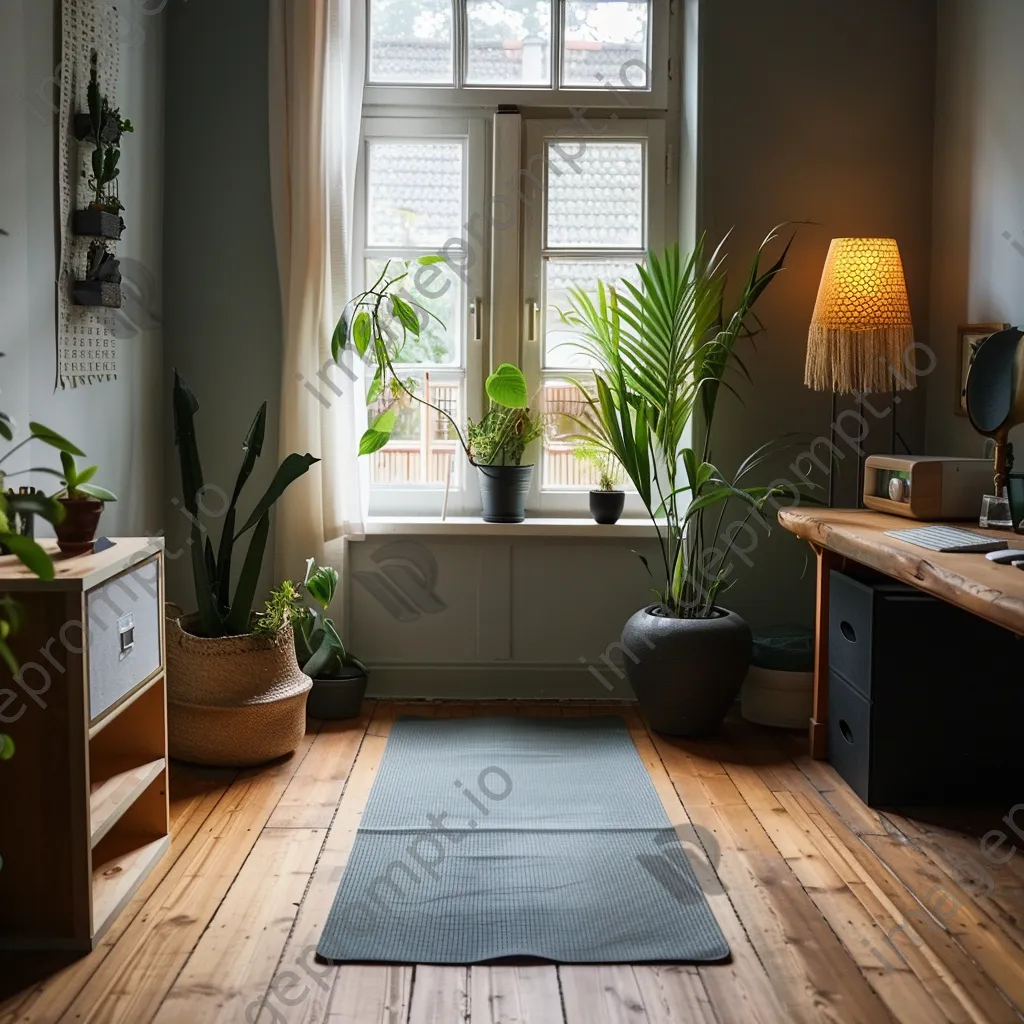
<point>971,582</point>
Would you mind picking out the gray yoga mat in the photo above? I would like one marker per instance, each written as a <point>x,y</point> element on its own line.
<point>486,838</point>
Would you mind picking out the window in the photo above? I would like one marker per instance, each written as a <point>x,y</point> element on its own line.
<point>520,209</point>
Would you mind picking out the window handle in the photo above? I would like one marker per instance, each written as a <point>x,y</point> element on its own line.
<point>532,320</point>
<point>477,311</point>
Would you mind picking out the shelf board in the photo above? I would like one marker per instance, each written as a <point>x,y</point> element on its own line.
<point>115,792</point>
<point>115,880</point>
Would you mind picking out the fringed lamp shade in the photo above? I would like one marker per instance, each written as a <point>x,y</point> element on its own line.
<point>861,329</point>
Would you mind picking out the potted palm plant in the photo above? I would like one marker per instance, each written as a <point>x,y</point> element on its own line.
<point>662,352</point>
<point>607,500</point>
<point>379,323</point>
<point>339,678</point>
<point>236,695</point>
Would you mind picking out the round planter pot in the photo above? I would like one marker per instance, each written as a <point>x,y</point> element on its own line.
<point>76,534</point>
<point>337,697</point>
<point>686,673</point>
<point>606,506</point>
<point>233,701</point>
<point>503,490</point>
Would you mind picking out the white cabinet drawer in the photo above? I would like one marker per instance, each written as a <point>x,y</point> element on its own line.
<point>123,631</point>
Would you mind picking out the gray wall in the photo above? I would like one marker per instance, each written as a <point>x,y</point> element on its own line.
<point>118,423</point>
<point>816,112</point>
<point>223,322</point>
<point>977,272</point>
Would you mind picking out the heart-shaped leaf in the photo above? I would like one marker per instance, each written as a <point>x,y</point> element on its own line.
<point>361,332</point>
<point>406,314</point>
<point>507,387</point>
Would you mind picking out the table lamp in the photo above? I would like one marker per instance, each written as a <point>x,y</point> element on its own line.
<point>861,329</point>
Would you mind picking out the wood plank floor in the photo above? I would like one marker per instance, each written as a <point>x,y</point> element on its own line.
<point>834,912</point>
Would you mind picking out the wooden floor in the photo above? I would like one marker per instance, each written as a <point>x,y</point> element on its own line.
<point>833,912</point>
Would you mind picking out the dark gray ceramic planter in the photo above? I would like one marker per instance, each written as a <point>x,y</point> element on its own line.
<point>503,492</point>
<point>606,506</point>
<point>686,673</point>
<point>339,696</point>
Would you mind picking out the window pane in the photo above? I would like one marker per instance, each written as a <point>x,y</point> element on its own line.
<point>560,342</point>
<point>438,290</point>
<point>415,193</point>
<point>595,197</point>
<point>509,42</point>
<point>411,41</point>
<point>606,44</point>
<point>423,446</point>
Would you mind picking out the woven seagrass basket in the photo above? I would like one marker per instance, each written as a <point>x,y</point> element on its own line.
<point>233,701</point>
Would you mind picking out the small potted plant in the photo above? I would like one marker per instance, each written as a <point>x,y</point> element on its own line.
<point>339,678</point>
<point>103,127</point>
<point>102,283</point>
<point>83,505</point>
<point>607,500</point>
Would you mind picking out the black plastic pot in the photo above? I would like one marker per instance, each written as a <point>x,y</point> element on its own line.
<point>503,490</point>
<point>686,673</point>
<point>97,224</point>
<point>606,506</point>
<point>339,696</point>
<point>96,293</point>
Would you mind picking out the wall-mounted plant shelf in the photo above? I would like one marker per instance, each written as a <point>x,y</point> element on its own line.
<point>98,224</point>
<point>96,293</point>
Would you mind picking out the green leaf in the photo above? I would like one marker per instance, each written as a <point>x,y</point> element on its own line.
<point>100,493</point>
<point>427,260</point>
<point>70,471</point>
<point>6,743</point>
<point>375,388</point>
<point>30,554</point>
<point>406,314</point>
<point>85,475</point>
<point>361,332</point>
<point>340,338</point>
<point>287,473</point>
<point>6,427</point>
<point>53,439</point>
<point>372,441</point>
<point>36,504</point>
<point>240,615</point>
<point>322,584</point>
<point>185,406</point>
<point>385,422</point>
<point>507,387</point>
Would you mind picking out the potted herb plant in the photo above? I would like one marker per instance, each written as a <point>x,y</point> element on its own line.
<point>236,695</point>
<point>606,500</point>
<point>339,678</point>
<point>662,352</point>
<point>102,127</point>
<point>101,285</point>
<point>495,445</point>
<point>83,503</point>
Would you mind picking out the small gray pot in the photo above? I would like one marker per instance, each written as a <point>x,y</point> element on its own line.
<point>339,696</point>
<point>686,673</point>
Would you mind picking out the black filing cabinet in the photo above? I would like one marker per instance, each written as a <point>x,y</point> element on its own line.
<point>926,702</point>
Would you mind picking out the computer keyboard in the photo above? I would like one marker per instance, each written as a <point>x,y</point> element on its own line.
<point>948,539</point>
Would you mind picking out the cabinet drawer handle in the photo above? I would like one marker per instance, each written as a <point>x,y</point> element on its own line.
<point>844,728</point>
<point>848,631</point>
<point>126,636</point>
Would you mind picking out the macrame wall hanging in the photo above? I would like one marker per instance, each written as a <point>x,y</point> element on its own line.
<point>90,131</point>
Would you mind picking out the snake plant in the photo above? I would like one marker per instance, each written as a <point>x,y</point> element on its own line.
<point>222,613</point>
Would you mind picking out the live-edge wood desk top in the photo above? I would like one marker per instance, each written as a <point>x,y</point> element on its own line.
<point>972,582</point>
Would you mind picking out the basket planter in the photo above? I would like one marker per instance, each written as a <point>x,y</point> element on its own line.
<point>97,223</point>
<point>233,701</point>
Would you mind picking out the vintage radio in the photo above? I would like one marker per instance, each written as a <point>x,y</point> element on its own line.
<point>930,487</point>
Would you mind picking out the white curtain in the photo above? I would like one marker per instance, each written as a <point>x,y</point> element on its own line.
<point>317,63</point>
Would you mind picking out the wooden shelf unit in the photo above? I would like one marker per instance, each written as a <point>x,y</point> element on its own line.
<point>85,795</point>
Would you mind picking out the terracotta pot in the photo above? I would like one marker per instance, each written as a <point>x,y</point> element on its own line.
<point>77,533</point>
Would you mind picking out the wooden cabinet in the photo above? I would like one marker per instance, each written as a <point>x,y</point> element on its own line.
<point>83,802</point>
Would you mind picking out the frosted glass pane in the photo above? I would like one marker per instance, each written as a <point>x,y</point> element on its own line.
<point>605,44</point>
<point>435,289</point>
<point>415,194</point>
<point>411,42</point>
<point>595,195</point>
<point>509,42</point>
<point>560,342</point>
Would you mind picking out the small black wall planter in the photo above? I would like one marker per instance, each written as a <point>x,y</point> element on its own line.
<point>503,490</point>
<point>97,223</point>
<point>97,293</point>
<point>606,506</point>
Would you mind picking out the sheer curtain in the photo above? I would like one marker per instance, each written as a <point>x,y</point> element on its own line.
<point>317,63</point>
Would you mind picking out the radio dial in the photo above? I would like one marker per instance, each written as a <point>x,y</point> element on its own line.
<point>899,489</point>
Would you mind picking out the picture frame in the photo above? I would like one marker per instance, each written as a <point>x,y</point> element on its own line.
<point>969,339</point>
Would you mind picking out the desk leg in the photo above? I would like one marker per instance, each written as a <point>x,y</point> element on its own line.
<point>819,715</point>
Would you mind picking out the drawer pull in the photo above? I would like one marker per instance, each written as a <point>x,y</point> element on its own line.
<point>848,631</point>
<point>126,636</point>
<point>844,728</point>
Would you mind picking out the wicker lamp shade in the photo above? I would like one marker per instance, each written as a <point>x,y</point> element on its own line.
<point>862,326</point>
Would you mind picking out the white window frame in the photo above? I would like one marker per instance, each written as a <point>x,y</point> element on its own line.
<point>463,496</point>
<point>662,71</point>
<point>566,502</point>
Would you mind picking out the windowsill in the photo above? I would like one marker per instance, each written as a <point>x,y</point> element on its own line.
<point>434,526</point>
